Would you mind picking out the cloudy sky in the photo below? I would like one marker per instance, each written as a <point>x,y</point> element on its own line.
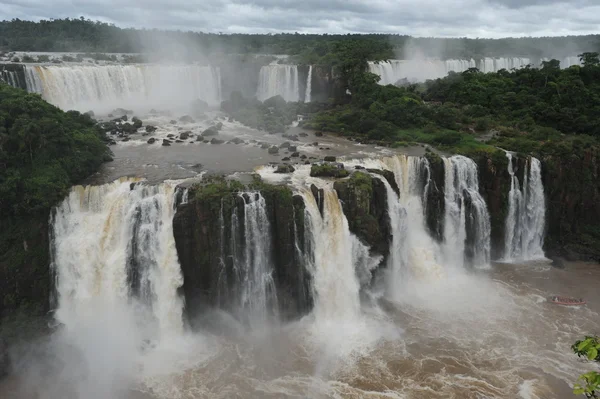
<point>448,18</point>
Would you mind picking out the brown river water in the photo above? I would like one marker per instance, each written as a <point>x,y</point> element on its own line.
<point>490,334</point>
<point>485,334</point>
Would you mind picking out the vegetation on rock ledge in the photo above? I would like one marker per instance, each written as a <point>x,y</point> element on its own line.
<point>43,152</point>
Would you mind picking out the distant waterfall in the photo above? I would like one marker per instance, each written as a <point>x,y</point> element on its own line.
<point>102,88</point>
<point>467,223</point>
<point>12,78</point>
<point>278,79</point>
<point>113,244</point>
<point>252,260</point>
<point>307,98</point>
<point>525,221</point>
<point>393,71</point>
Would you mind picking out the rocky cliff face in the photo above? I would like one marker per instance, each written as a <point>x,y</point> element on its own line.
<point>364,202</point>
<point>436,204</point>
<point>208,240</point>
<point>572,188</point>
<point>494,186</point>
<point>24,266</point>
<point>13,74</point>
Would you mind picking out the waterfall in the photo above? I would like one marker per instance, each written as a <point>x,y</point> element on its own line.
<point>114,244</point>
<point>278,79</point>
<point>467,226</point>
<point>102,88</point>
<point>417,70</point>
<point>253,263</point>
<point>398,257</point>
<point>11,78</point>
<point>337,255</point>
<point>418,254</point>
<point>308,85</point>
<point>495,64</point>
<point>525,221</point>
<point>420,70</point>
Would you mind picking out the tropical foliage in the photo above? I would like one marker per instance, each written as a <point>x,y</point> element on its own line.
<point>81,35</point>
<point>43,152</point>
<point>588,383</point>
<point>545,110</point>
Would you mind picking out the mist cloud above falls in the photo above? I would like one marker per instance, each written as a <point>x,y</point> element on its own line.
<point>448,18</point>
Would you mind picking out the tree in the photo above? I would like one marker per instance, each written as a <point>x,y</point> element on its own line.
<point>589,383</point>
<point>589,59</point>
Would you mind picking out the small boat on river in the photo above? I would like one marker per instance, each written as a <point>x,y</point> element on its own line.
<point>566,301</point>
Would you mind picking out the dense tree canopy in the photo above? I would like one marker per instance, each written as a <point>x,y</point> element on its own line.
<point>80,35</point>
<point>527,108</point>
<point>43,152</point>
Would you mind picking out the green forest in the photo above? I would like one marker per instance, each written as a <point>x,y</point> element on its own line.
<point>81,35</point>
<point>43,152</point>
<point>545,110</point>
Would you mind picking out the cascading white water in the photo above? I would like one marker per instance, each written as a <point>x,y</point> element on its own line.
<point>11,78</point>
<point>422,69</point>
<point>525,221</point>
<point>308,93</point>
<point>255,266</point>
<point>417,70</point>
<point>337,255</point>
<point>465,207</point>
<point>112,241</point>
<point>102,88</point>
<point>278,79</point>
<point>419,254</point>
<point>495,64</point>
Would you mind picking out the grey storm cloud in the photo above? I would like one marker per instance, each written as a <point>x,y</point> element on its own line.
<point>445,18</point>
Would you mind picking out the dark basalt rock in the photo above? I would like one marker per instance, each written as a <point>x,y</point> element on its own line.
<point>211,131</point>
<point>137,122</point>
<point>285,145</point>
<point>389,177</point>
<point>179,141</point>
<point>330,159</point>
<point>166,143</point>
<point>151,140</point>
<point>319,134</point>
<point>285,169</point>
<point>207,259</point>
<point>319,195</point>
<point>185,135</point>
<point>186,119</point>
<point>273,150</point>
<point>364,201</point>
<point>286,159</point>
<point>292,148</point>
<point>295,155</point>
<point>150,129</point>
<point>436,200</point>
<point>216,141</point>
<point>237,140</point>
<point>303,134</point>
<point>328,170</point>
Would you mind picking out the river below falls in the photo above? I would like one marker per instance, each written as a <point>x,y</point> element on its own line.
<point>485,335</point>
